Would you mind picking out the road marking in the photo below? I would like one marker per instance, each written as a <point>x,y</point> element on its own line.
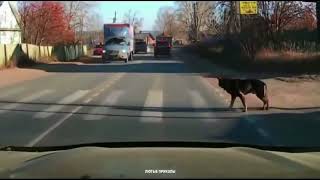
<point>113,97</point>
<point>251,121</point>
<point>45,133</point>
<point>69,99</point>
<point>198,101</point>
<point>26,99</point>
<point>96,94</point>
<point>64,118</point>
<point>154,99</point>
<point>11,92</point>
<point>110,100</point>
<point>263,132</point>
<point>87,100</point>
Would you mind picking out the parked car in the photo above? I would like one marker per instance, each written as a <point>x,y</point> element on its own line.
<point>98,50</point>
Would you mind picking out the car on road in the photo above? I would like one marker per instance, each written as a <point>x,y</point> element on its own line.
<point>163,46</point>
<point>141,46</point>
<point>98,50</point>
<point>117,49</point>
<point>119,39</point>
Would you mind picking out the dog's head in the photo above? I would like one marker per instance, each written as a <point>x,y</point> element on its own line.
<point>221,81</point>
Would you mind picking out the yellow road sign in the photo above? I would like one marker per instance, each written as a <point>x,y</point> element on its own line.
<point>248,7</point>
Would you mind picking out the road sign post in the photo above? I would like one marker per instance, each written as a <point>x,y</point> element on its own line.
<point>248,10</point>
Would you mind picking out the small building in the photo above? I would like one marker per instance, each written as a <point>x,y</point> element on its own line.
<point>146,37</point>
<point>10,30</point>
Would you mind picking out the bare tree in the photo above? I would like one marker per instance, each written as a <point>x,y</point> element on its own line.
<point>131,18</point>
<point>195,16</point>
<point>166,21</point>
<point>24,14</point>
<point>279,14</point>
<point>80,14</point>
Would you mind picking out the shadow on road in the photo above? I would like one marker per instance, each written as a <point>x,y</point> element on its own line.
<point>285,129</point>
<point>162,109</point>
<point>142,63</point>
<point>179,63</point>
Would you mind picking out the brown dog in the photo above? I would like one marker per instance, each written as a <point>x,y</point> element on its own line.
<point>239,88</point>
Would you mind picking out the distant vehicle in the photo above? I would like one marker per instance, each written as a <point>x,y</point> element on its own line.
<point>119,42</point>
<point>163,46</point>
<point>98,50</point>
<point>141,46</point>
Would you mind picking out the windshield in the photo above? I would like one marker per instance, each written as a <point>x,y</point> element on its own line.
<point>140,43</point>
<point>162,43</point>
<point>116,41</point>
<point>116,31</point>
<point>243,72</point>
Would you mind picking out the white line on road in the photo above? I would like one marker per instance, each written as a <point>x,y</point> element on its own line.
<point>87,100</point>
<point>69,99</point>
<point>199,102</point>
<point>11,92</point>
<point>26,99</point>
<point>113,97</point>
<point>196,99</point>
<point>154,99</point>
<point>110,100</point>
<point>64,118</point>
<point>263,132</point>
<point>41,136</point>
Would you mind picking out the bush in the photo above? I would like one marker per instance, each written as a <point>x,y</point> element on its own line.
<point>23,61</point>
<point>287,57</point>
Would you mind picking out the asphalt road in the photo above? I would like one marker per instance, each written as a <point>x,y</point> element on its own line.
<point>148,99</point>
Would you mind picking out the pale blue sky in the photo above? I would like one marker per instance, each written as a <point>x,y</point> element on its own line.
<point>146,9</point>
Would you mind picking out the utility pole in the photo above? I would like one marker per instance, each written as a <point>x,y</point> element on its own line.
<point>195,20</point>
<point>318,19</point>
<point>238,17</point>
<point>115,17</point>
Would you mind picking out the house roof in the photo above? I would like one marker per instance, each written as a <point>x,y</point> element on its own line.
<point>153,33</point>
<point>14,10</point>
<point>143,35</point>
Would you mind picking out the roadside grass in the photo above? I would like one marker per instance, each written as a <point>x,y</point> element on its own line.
<point>266,61</point>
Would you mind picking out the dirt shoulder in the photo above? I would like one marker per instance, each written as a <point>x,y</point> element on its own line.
<point>17,75</point>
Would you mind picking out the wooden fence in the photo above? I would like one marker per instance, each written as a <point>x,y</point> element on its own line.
<point>10,52</point>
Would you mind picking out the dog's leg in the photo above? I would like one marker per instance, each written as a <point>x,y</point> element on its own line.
<point>243,100</point>
<point>264,102</point>
<point>267,102</point>
<point>233,98</point>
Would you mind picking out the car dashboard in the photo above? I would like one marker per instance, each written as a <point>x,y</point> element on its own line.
<point>159,162</point>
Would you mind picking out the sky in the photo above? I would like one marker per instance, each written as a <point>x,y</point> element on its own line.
<point>146,9</point>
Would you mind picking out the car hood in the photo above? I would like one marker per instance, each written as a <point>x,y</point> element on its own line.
<point>99,162</point>
<point>116,47</point>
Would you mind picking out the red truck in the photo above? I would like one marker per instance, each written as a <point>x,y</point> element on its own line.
<point>163,45</point>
